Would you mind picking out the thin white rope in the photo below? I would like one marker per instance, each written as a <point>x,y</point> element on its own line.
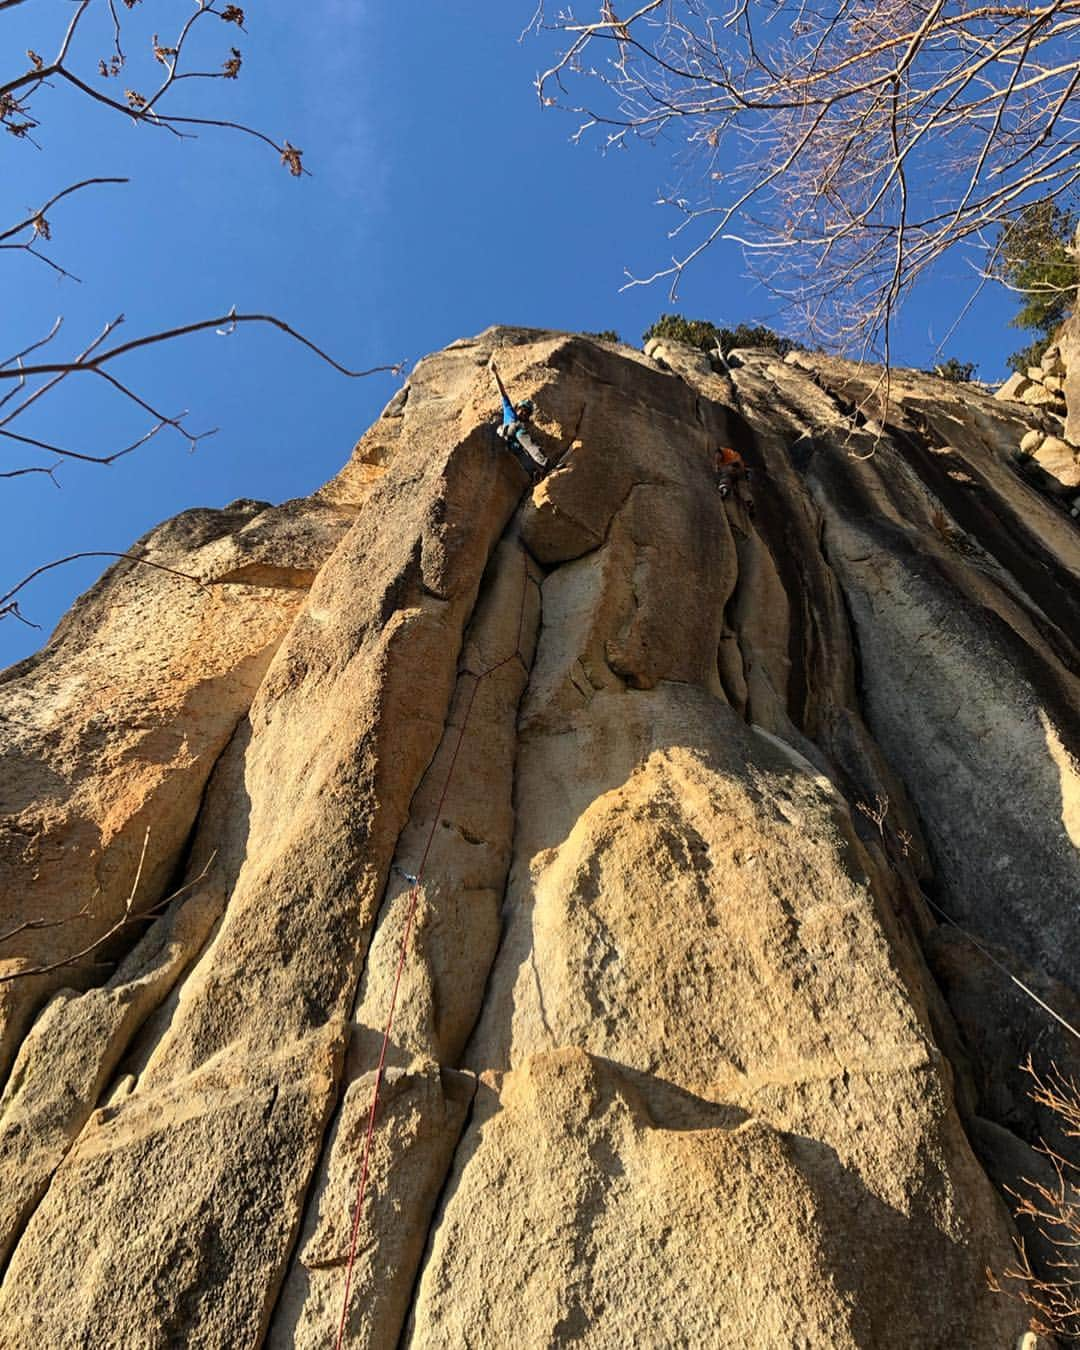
<point>1003,968</point>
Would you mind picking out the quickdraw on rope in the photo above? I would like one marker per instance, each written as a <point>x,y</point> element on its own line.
<point>414,894</point>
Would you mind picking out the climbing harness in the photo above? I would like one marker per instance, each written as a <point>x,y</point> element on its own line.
<point>415,883</point>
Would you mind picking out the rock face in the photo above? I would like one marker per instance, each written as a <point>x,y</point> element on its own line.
<point>681,1054</point>
<point>1053,388</point>
<point>1069,356</point>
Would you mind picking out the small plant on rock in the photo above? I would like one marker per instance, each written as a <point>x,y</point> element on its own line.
<point>1052,1293</point>
<point>956,371</point>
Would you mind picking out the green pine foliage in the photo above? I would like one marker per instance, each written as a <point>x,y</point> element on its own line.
<point>1033,258</point>
<point>706,336</point>
<point>693,332</point>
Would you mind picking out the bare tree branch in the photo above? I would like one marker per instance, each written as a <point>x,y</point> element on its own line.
<point>36,925</point>
<point>77,454</point>
<point>138,81</point>
<point>847,149</point>
<point>33,468</point>
<point>36,219</point>
<point>93,360</point>
<point>81,29</point>
<point>224,324</point>
<point>9,606</point>
<point>1052,1208</point>
<point>16,92</point>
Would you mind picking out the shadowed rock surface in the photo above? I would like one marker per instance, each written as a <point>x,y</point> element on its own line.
<point>682,1053</point>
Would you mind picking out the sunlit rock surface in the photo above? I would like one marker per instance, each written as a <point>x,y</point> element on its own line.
<point>682,1052</point>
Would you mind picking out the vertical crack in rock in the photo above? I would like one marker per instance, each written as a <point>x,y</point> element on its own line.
<point>88,788</point>
<point>344,722</point>
<point>67,1060</point>
<point>996,565</point>
<point>957,683</point>
<point>423,1103</point>
<point>608,783</point>
<point>437,1211</point>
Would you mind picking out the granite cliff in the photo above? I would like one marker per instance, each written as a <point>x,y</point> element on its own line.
<point>684,1051</point>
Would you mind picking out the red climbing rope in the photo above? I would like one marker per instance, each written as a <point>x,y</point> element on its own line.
<point>414,893</point>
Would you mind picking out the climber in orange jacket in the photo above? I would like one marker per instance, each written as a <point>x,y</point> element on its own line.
<point>730,472</point>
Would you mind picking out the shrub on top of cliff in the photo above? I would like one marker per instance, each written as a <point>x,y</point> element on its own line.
<point>604,335</point>
<point>956,371</point>
<point>698,333</point>
<point>706,336</point>
<point>1034,260</point>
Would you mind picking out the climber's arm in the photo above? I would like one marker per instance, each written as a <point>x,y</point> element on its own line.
<point>509,415</point>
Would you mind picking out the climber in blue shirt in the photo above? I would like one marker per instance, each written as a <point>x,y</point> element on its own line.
<point>513,430</point>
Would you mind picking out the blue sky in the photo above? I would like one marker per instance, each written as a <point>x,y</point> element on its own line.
<point>442,199</point>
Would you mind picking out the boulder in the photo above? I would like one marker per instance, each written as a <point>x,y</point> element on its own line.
<point>1014,387</point>
<point>1059,458</point>
<point>1039,396</point>
<point>1052,363</point>
<point>1070,358</point>
<point>1031,440</point>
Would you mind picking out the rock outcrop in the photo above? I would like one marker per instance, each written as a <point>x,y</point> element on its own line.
<point>1052,389</point>
<point>683,1051</point>
<point>1069,351</point>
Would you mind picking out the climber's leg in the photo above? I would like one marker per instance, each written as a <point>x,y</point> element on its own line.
<point>530,447</point>
<point>523,449</point>
<point>747,495</point>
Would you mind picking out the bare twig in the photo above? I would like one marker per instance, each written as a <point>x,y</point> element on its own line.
<point>36,925</point>
<point>78,454</point>
<point>130,915</point>
<point>94,359</point>
<point>49,471</point>
<point>7,605</point>
<point>1052,1293</point>
<point>876,813</point>
<point>34,346</point>
<point>37,219</point>
<point>18,91</point>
